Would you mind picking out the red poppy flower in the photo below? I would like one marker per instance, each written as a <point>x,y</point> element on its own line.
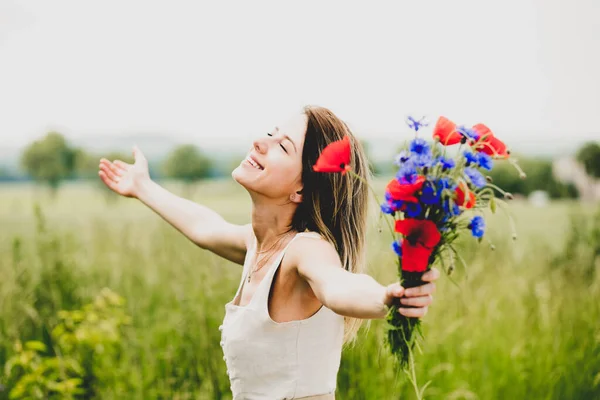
<point>465,197</point>
<point>483,131</point>
<point>335,157</point>
<point>420,237</point>
<point>445,131</point>
<point>405,192</point>
<point>488,143</point>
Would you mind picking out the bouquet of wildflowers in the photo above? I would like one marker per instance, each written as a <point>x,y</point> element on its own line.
<point>439,192</point>
<point>434,198</point>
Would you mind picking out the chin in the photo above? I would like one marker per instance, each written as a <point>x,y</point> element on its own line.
<point>236,174</point>
<point>241,177</point>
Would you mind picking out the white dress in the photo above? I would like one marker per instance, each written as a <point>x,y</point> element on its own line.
<point>271,360</point>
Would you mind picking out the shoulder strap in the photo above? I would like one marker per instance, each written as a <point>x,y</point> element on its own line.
<point>262,292</point>
<point>313,235</point>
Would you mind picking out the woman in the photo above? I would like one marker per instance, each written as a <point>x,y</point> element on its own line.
<point>301,295</point>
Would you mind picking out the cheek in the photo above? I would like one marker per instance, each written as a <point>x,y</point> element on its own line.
<point>286,172</point>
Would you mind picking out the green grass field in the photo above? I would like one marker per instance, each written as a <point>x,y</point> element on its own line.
<point>523,321</point>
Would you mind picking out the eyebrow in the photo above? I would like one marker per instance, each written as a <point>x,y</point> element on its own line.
<point>288,138</point>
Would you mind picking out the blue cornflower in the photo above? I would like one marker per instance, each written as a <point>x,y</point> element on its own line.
<point>388,196</point>
<point>386,208</point>
<point>444,183</point>
<point>485,161</point>
<point>447,163</point>
<point>397,204</point>
<point>413,210</point>
<point>402,158</point>
<point>415,124</point>
<point>476,178</point>
<point>471,158</point>
<point>453,210</point>
<point>424,161</point>
<point>407,173</point>
<point>420,147</point>
<point>397,246</point>
<point>477,226</point>
<point>428,194</point>
<point>467,132</point>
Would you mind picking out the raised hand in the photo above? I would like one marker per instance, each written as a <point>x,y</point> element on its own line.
<point>123,178</point>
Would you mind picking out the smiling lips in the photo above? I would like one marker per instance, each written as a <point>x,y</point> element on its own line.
<point>254,163</point>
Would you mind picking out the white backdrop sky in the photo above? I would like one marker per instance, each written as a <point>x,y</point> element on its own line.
<point>214,73</point>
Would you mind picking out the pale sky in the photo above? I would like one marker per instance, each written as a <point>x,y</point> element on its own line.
<point>222,72</point>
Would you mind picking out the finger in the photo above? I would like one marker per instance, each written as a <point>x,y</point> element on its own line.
<point>123,165</point>
<point>109,174</point>
<point>395,290</point>
<point>422,290</point>
<point>107,181</point>
<point>116,170</point>
<point>421,301</point>
<point>106,163</point>
<point>431,275</point>
<point>413,312</point>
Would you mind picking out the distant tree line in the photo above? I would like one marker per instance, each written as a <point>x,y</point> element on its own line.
<point>52,160</point>
<point>540,176</point>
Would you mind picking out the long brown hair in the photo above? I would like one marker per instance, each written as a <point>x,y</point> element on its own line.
<point>335,205</point>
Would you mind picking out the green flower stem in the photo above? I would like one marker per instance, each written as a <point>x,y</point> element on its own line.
<point>491,185</point>
<point>522,173</point>
<point>462,260</point>
<point>412,376</point>
<point>511,220</point>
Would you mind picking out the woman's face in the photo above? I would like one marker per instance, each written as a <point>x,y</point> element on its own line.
<point>273,166</point>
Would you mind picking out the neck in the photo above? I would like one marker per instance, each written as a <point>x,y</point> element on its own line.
<point>271,220</point>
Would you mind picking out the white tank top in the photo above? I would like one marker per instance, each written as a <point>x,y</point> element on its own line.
<point>271,360</point>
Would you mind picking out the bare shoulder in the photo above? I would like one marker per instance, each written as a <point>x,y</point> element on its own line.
<point>310,250</point>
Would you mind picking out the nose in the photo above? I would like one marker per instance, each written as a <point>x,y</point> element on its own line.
<point>260,146</point>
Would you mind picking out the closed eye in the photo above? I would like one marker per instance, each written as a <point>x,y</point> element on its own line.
<point>280,145</point>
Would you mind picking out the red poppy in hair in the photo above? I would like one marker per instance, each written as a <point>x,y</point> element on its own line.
<point>445,131</point>
<point>420,237</point>
<point>335,157</point>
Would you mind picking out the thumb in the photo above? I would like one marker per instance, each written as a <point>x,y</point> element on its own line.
<point>395,290</point>
<point>137,154</point>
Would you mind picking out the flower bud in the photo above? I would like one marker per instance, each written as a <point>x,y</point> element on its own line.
<point>514,237</point>
<point>522,175</point>
<point>508,196</point>
<point>489,179</point>
<point>463,140</point>
<point>492,247</point>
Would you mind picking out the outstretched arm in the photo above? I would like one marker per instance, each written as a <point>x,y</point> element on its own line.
<point>356,295</point>
<point>198,223</point>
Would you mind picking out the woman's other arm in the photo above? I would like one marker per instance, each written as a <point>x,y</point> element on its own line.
<point>355,295</point>
<point>198,223</point>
